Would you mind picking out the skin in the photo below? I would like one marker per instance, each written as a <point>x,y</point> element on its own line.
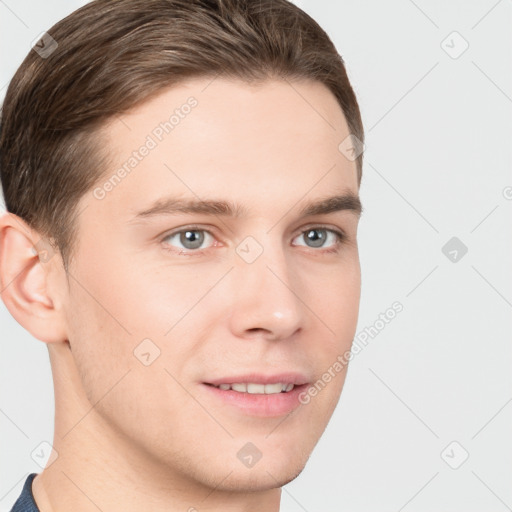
<point>130,436</point>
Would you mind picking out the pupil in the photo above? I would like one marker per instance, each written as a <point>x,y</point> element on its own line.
<point>317,240</point>
<point>192,237</point>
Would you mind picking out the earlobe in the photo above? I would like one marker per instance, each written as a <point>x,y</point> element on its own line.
<point>24,281</point>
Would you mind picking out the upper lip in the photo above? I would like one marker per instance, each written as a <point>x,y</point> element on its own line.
<point>259,378</point>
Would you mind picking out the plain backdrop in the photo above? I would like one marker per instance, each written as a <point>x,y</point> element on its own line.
<point>425,416</point>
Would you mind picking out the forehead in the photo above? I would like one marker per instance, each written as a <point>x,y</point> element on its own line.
<point>204,137</point>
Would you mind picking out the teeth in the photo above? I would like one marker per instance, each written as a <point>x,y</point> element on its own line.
<point>258,388</point>
<point>252,388</point>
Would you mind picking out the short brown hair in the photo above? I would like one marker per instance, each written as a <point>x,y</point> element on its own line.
<point>111,55</point>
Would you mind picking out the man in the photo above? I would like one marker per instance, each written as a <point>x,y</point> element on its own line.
<point>181,180</point>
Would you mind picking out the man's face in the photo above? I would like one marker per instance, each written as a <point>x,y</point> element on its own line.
<point>162,303</point>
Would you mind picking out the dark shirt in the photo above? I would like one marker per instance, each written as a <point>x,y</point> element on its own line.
<point>26,502</point>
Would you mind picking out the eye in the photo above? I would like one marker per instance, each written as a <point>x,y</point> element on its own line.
<point>316,237</point>
<point>190,238</point>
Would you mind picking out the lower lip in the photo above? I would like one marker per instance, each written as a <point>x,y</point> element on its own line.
<point>256,404</point>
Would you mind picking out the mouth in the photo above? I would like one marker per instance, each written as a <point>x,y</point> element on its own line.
<point>257,399</point>
<point>254,388</point>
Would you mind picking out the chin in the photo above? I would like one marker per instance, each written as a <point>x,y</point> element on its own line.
<point>265,475</point>
<point>255,480</point>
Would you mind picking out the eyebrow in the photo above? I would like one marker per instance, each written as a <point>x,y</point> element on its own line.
<point>171,206</point>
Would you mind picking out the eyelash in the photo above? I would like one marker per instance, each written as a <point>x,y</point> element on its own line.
<point>340,239</point>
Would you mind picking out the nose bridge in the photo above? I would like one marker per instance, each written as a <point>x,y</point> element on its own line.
<point>265,289</point>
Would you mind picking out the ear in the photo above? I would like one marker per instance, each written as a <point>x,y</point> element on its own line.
<point>27,262</point>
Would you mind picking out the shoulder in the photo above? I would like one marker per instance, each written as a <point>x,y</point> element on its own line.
<point>26,502</point>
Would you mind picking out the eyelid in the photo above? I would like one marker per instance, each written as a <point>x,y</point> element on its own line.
<point>319,225</point>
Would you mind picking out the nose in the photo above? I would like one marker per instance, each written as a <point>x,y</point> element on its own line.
<point>267,297</point>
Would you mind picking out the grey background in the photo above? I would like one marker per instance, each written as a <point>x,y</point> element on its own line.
<point>437,166</point>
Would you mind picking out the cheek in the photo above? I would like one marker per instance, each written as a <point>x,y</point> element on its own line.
<point>337,308</point>
<point>99,344</point>
<point>120,319</point>
<point>336,303</point>
<point>101,316</point>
